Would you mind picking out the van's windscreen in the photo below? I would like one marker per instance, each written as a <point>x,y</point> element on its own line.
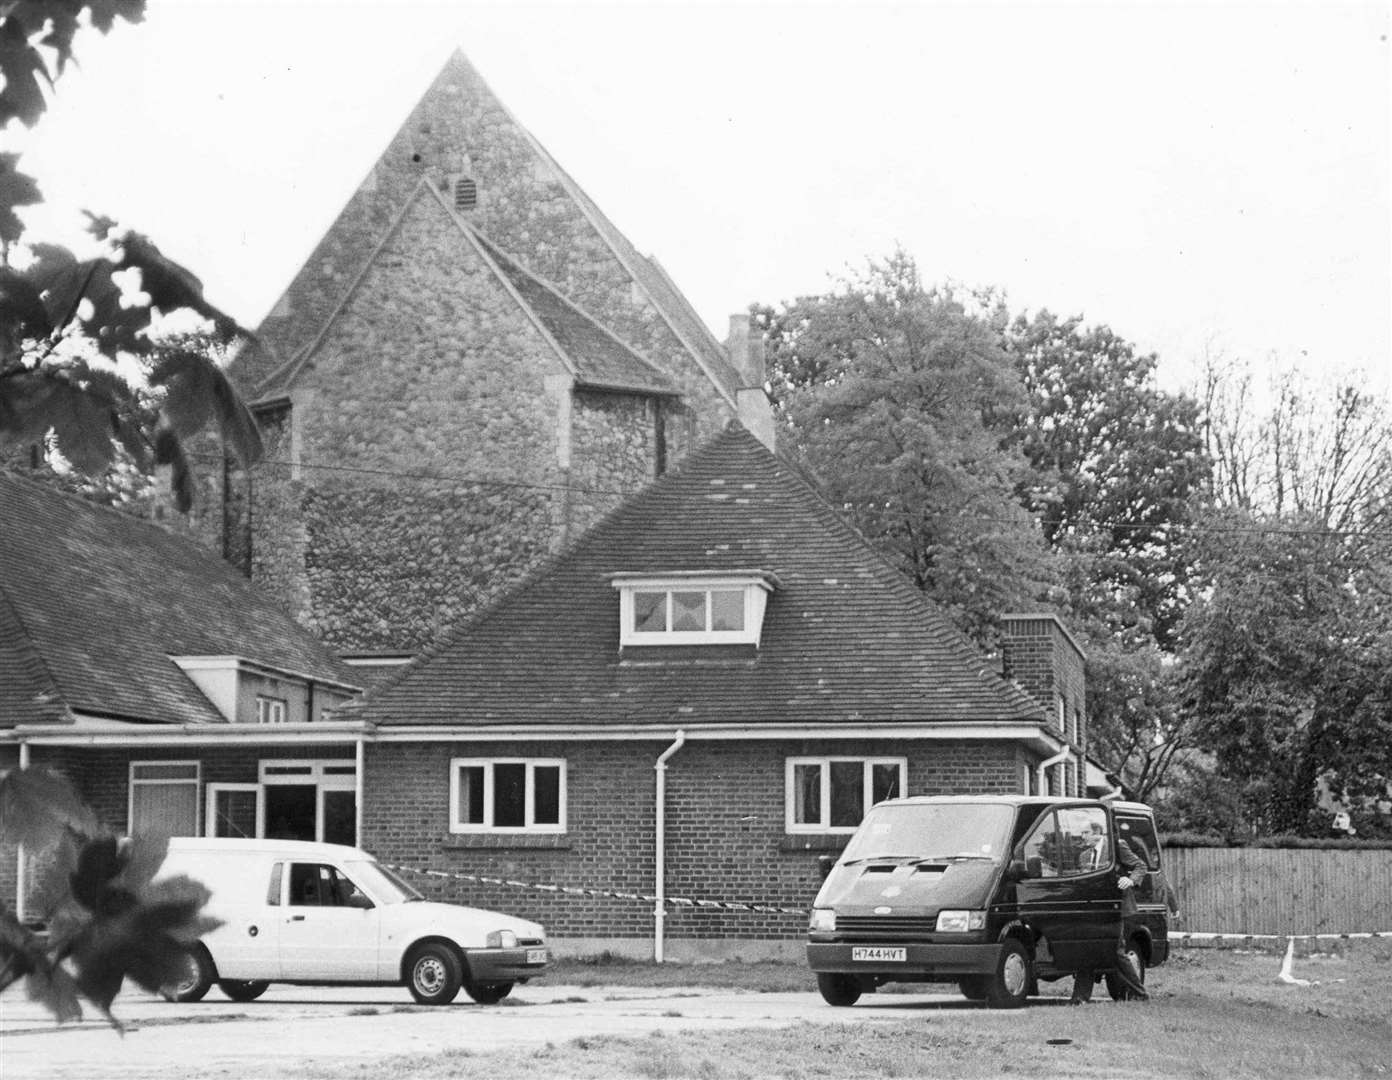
<point>932,831</point>
<point>381,884</point>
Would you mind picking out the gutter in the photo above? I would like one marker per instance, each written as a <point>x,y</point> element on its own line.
<point>21,884</point>
<point>660,853</point>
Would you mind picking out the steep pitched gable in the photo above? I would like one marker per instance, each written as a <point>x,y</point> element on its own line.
<point>94,603</point>
<point>528,206</point>
<point>847,641</point>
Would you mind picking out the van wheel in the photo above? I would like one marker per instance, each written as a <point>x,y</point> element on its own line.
<point>1008,986</point>
<point>839,990</point>
<point>434,974</point>
<point>196,977</point>
<point>1117,986</point>
<point>974,987</point>
<point>487,993</point>
<point>243,989</point>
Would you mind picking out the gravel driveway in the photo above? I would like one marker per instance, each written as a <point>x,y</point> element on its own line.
<point>326,1026</point>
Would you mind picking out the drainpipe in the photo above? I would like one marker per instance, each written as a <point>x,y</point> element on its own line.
<point>21,886</point>
<point>660,860</point>
<point>1042,768</point>
<point>358,756</point>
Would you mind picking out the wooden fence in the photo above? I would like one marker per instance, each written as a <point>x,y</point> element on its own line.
<point>1281,890</point>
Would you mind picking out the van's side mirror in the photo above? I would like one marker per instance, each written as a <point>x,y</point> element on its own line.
<point>825,863</point>
<point>1016,870</point>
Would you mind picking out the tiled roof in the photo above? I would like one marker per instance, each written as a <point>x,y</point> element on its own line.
<point>847,640</point>
<point>598,358</point>
<point>93,603</point>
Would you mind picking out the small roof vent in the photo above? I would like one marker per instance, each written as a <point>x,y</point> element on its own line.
<point>465,194</point>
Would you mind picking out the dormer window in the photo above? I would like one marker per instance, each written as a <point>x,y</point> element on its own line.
<point>271,710</point>
<point>693,608</point>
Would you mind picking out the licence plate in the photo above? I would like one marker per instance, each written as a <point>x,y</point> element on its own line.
<point>879,954</point>
<point>536,956</point>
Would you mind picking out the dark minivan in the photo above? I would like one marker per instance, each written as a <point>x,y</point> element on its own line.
<point>991,892</point>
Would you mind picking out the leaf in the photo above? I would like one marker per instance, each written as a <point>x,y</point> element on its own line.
<point>197,390</point>
<point>169,450</point>
<point>82,418</point>
<point>99,863</point>
<point>169,285</point>
<point>22,65</point>
<point>104,13</point>
<point>16,189</point>
<point>22,311</point>
<point>37,805</point>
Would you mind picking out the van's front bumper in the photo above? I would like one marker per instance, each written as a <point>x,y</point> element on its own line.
<point>507,965</point>
<point>925,961</point>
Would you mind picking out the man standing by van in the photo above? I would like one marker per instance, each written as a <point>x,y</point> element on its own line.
<point>1132,869</point>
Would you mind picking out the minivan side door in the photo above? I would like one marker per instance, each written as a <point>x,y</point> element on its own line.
<point>330,928</point>
<point>1069,893</point>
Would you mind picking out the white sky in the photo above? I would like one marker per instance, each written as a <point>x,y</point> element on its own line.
<point>1199,175</point>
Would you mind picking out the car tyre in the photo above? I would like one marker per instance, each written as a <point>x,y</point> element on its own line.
<point>434,974</point>
<point>197,976</point>
<point>487,993</point>
<point>974,987</point>
<point>1115,986</point>
<point>839,990</point>
<point>1008,986</point>
<point>243,989</point>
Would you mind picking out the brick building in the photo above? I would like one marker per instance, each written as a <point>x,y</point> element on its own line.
<point>727,625</point>
<point>470,368</point>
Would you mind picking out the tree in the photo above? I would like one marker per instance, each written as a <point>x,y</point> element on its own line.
<point>65,322</point>
<point>897,397</point>
<point>1116,458</point>
<point>107,919</point>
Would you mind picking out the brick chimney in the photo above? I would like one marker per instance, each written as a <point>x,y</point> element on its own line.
<point>745,346</point>
<point>1045,660</point>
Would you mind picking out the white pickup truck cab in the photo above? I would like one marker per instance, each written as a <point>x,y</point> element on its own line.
<point>299,912</point>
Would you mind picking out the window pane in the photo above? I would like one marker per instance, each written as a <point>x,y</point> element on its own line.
<point>649,612</point>
<point>341,817</point>
<point>234,814</point>
<point>847,792</point>
<point>688,611</point>
<point>164,809</point>
<point>807,794</point>
<point>727,609</point>
<point>509,795</point>
<point>470,809</point>
<point>884,782</point>
<point>546,783</point>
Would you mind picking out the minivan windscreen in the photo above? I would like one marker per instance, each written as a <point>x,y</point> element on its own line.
<point>931,831</point>
<point>381,883</point>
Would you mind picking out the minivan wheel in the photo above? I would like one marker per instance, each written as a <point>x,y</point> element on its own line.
<point>196,977</point>
<point>1009,984</point>
<point>1116,986</point>
<point>434,974</point>
<point>243,989</point>
<point>839,990</point>
<point>487,993</point>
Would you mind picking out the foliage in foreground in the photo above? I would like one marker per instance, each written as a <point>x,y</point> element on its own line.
<point>107,920</point>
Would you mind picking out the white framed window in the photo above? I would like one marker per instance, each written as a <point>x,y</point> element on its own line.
<point>271,710</point>
<point>511,795</point>
<point>236,810</point>
<point>163,798</point>
<point>832,794</point>
<point>697,608</point>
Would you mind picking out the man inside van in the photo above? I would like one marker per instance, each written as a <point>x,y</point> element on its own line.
<point>1131,869</point>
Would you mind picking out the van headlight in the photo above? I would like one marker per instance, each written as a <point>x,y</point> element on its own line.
<point>823,921</point>
<point>959,922</point>
<point>502,939</point>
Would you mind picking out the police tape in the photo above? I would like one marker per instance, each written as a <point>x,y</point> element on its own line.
<point>1175,937</point>
<point>1182,937</point>
<point>606,894</point>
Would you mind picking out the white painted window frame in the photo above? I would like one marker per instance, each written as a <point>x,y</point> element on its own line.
<point>755,590</point>
<point>267,706</point>
<point>530,824</point>
<point>824,810</point>
<point>210,806</point>
<point>315,771</point>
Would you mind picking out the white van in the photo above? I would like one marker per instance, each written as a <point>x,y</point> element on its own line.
<point>299,912</point>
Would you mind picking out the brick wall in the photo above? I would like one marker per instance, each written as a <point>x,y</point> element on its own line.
<point>725,827</point>
<point>1044,660</point>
